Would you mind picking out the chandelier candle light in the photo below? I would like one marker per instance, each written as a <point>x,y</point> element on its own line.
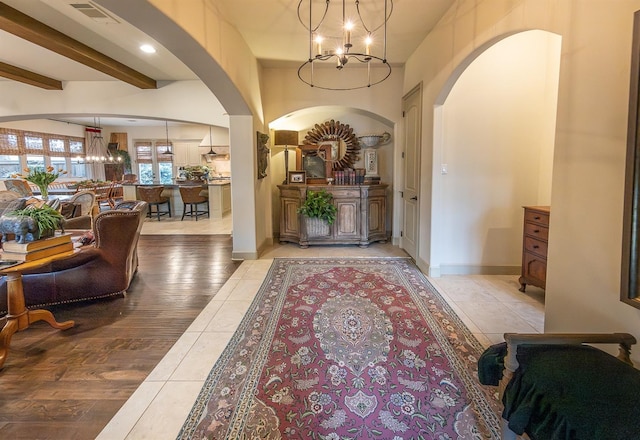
<point>354,41</point>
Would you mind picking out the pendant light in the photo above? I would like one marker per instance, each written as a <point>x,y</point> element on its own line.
<point>166,128</point>
<point>211,152</point>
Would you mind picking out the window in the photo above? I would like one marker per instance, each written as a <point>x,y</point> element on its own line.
<point>165,162</point>
<point>20,149</point>
<point>153,162</point>
<point>35,161</point>
<point>9,164</point>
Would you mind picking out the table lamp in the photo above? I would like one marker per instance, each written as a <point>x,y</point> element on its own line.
<point>286,138</point>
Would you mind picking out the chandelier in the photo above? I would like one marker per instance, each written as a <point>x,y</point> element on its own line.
<point>97,152</point>
<point>354,36</point>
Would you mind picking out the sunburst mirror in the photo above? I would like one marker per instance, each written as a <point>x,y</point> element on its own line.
<point>345,147</point>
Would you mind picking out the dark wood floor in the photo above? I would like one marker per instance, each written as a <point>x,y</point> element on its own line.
<point>69,384</point>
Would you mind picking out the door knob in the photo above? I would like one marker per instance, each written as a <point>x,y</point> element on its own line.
<point>414,198</point>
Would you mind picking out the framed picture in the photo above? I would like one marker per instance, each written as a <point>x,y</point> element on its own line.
<point>315,160</point>
<point>297,177</point>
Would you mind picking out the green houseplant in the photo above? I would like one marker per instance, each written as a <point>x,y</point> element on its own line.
<point>319,204</point>
<point>47,218</point>
<point>123,158</point>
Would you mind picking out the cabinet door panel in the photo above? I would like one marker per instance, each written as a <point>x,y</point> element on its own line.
<point>290,223</point>
<point>377,215</point>
<point>348,219</point>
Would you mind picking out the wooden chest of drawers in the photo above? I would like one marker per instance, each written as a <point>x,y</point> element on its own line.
<point>534,246</point>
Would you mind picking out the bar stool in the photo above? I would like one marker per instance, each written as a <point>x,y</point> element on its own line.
<point>153,196</point>
<point>191,195</point>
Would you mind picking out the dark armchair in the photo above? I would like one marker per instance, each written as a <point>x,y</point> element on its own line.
<point>554,386</point>
<point>102,269</point>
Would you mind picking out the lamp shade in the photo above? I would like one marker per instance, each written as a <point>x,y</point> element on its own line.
<point>285,137</point>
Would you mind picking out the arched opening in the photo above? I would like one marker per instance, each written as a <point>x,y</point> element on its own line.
<point>495,132</point>
<point>363,122</point>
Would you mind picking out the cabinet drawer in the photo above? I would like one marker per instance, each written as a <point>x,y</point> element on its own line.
<point>541,218</point>
<point>536,246</point>
<point>536,230</point>
<point>534,267</point>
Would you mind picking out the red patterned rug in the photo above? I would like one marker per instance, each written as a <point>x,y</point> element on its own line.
<point>337,349</point>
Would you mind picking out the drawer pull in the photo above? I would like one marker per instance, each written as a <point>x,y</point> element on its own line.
<point>537,218</point>
<point>535,246</point>
<point>535,231</point>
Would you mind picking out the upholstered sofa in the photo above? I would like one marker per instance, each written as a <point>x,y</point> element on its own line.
<point>101,269</point>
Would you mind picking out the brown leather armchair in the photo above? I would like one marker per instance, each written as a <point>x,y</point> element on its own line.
<point>103,269</point>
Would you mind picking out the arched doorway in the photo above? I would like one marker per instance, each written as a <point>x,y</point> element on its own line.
<point>494,134</point>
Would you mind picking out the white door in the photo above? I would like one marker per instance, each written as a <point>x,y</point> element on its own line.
<point>412,116</point>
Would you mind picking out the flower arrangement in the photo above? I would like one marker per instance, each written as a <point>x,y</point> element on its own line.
<point>42,177</point>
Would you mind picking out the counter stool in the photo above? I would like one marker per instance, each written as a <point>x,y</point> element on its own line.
<point>153,196</point>
<point>191,195</point>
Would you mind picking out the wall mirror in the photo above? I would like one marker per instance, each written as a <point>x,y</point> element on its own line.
<point>339,138</point>
<point>629,283</point>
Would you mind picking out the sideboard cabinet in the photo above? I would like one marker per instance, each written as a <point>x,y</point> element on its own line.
<point>535,239</point>
<point>360,219</point>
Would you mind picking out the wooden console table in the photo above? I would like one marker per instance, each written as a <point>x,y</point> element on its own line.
<point>18,316</point>
<point>361,216</point>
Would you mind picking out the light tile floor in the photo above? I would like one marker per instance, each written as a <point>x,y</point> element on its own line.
<point>489,305</point>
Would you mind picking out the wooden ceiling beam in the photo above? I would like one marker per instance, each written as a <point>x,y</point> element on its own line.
<point>28,77</point>
<point>23,26</point>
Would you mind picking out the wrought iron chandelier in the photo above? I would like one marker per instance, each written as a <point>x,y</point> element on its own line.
<point>355,42</point>
<point>97,149</point>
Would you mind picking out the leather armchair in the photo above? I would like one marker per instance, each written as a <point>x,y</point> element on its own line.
<point>103,269</point>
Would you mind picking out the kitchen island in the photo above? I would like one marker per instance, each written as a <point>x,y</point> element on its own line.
<point>219,191</point>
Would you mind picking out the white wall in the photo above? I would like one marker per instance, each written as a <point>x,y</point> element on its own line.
<point>498,125</point>
<point>589,159</point>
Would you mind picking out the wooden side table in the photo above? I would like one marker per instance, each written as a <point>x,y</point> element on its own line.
<point>18,316</point>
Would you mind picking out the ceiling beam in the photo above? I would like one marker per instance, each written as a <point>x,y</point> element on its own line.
<point>23,26</point>
<point>28,77</point>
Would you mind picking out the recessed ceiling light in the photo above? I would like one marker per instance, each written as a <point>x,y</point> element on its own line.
<point>147,48</point>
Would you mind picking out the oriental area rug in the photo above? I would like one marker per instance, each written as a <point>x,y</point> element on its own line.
<point>338,349</point>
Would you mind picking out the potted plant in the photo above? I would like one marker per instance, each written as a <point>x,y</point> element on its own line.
<point>123,158</point>
<point>319,212</point>
<point>47,219</point>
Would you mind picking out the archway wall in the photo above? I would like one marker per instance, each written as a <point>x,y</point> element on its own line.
<point>292,105</point>
<point>495,139</point>
<point>590,141</point>
<point>180,100</point>
<point>217,53</point>
<point>205,42</point>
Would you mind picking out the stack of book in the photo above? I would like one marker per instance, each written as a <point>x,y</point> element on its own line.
<point>349,176</point>
<point>371,180</point>
<point>34,250</point>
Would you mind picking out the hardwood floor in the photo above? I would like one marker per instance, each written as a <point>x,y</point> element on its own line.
<point>69,384</point>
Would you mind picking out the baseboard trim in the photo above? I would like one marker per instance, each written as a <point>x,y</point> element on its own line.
<point>477,270</point>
